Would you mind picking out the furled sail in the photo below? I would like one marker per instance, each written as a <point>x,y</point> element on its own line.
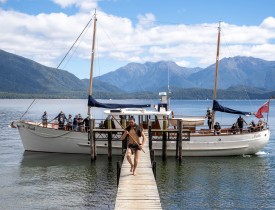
<point>94,103</point>
<point>220,108</point>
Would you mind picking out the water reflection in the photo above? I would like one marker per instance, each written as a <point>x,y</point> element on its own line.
<point>67,180</point>
<point>211,182</point>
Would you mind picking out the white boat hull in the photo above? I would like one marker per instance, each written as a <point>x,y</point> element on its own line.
<point>219,145</point>
<point>36,138</point>
<point>187,121</point>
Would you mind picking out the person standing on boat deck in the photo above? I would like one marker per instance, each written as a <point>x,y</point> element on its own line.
<point>61,117</point>
<point>240,122</point>
<point>44,119</point>
<point>134,145</point>
<point>80,123</point>
<point>86,122</point>
<point>209,118</point>
<point>75,123</point>
<point>69,125</point>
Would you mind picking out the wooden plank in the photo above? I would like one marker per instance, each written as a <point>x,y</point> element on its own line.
<point>138,192</point>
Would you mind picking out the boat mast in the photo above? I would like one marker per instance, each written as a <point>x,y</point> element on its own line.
<point>92,63</point>
<point>217,71</point>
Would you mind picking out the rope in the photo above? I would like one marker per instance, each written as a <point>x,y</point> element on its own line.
<point>27,109</point>
<point>75,41</point>
<point>61,61</point>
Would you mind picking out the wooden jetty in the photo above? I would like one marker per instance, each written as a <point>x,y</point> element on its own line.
<point>138,192</point>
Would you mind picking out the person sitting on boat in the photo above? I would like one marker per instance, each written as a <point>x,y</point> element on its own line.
<point>101,124</point>
<point>209,118</point>
<point>234,128</point>
<point>86,122</point>
<point>134,146</point>
<point>217,129</point>
<point>69,125</point>
<point>75,123</point>
<point>44,119</point>
<point>61,117</point>
<point>252,126</point>
<point>260,125</point>
<point>240,122</point>
<point>80,123</point>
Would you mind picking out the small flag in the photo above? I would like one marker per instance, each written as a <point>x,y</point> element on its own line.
<point>262,109</point>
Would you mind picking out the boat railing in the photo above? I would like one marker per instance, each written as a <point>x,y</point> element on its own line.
<point>226,130</point>
<point>194,130</point>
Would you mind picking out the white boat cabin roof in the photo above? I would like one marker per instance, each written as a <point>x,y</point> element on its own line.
<point>136,111</point>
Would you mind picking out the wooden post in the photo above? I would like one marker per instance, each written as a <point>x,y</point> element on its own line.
<point>124,142</point>
<point>177,143</point>
<point>152,155</point>
<point>164,140</point>
<point>154,167</point>
<point>123,122</point>
<point>109,139</point>
<point>92,139</point>
<point>180,139</point>
<point>118,169</point>
<point>150,137</point>
<point>93,126</point>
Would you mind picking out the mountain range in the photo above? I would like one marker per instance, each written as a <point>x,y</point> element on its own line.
<point>234,72</point>
<point>247,76</point>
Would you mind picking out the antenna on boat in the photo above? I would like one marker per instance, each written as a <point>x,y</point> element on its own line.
<point>92,63</point>
<point>169,91</point>
<point>217,71</point>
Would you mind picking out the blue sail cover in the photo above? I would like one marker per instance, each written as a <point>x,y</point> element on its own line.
<point>220,108</point>
<point>94,103</point>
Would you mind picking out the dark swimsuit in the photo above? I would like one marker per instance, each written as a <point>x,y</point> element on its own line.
<point>133,147</point>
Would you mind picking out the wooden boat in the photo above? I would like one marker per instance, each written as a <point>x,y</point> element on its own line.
<point>202,142</point>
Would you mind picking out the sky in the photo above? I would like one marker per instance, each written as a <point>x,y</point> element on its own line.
<point>136,31</point>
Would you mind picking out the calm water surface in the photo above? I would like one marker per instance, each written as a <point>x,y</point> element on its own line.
<point>31,180</point>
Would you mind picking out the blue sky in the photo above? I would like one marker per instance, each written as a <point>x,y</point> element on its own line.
<point>137,31</point>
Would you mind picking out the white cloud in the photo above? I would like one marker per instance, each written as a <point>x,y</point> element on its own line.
<point>146,21</point>
<point>45,38</point>
<point>268,23</point>
<point>65,3</point>
<point>83,5</point>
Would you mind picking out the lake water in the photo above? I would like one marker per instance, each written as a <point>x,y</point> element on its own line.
<point>32,180</point>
